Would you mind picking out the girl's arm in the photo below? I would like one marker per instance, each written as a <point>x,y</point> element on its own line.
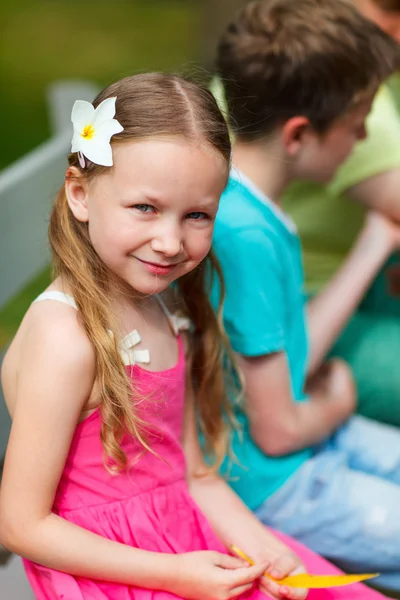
<point>55,380</point>
<point>231,520</point>
<point>54,383</point>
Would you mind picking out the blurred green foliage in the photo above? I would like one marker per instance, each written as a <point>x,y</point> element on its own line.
<point>101,41</point>
<point>98,40</point>
<point>12,313</point>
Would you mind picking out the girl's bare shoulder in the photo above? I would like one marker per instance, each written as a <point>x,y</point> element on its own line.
<point>50,337</point>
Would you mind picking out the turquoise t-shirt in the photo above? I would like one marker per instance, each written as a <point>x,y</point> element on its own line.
<point>260,255</point>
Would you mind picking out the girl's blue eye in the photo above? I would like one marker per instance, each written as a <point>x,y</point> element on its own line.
<point>144,208</point>
<point>197,216</point>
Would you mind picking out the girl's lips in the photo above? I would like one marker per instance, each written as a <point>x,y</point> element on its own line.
<point>156,268</point>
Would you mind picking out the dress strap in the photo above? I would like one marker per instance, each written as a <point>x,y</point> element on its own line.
<point>129,355</point>
<point>58,296</point>
<point>176,322</point>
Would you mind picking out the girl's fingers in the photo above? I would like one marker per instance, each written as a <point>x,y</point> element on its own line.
<point>283,592</point>
<point>283,566</point>
<point>271,589</point>
<point>248,575</point>
<point>225,561</point>
<point>293,594</point>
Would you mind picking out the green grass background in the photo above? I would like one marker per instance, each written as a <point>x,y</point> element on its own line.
<point>97,40</point>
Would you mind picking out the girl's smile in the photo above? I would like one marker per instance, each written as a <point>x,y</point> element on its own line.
<point>156,268</point>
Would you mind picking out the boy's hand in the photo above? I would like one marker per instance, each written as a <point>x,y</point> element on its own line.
<point>285,565</point>
<point>334,382</point>
<point>208,575</point>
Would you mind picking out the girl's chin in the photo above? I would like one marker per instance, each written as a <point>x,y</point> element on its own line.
<point>149,288</point>
<point>147,284</point>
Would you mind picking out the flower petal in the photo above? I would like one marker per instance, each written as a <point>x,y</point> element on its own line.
<point>105,111</point>
<point>98,151</point>
<point>81,115</point>
<point>76,142</point>
<point>96,148</point>
<point>107,129</point>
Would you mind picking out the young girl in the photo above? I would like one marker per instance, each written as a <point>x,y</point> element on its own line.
<point>105,493</point>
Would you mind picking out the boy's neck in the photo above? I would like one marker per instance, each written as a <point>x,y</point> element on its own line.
<point>265,165</point>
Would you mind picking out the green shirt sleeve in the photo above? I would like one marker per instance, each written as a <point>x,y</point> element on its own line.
<point>378,153</point>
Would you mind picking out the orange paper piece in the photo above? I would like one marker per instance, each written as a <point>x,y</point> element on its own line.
<point>311,582</point>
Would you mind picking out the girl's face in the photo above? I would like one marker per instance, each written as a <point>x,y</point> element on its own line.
<point>151,216</point>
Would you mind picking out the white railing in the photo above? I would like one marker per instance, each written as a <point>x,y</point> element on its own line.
<point>27,190</point>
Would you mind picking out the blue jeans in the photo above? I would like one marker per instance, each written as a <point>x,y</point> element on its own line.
<point>344,503</point>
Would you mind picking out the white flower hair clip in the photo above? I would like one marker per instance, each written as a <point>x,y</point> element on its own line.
<point>93,130</point>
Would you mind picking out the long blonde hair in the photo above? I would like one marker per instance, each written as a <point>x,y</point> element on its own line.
<point>147,105</point>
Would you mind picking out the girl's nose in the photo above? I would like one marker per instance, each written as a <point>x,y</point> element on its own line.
<point>168,242</point>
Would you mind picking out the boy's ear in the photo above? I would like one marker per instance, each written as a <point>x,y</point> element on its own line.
<point>294,133</point>
<point>76,190</point>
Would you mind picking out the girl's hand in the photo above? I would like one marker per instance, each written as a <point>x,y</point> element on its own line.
<point>284,566</point>
<point>213,576</point>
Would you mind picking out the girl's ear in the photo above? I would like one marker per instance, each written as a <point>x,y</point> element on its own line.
<point>76,190</point>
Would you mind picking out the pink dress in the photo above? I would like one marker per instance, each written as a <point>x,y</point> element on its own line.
<point>149,506</point>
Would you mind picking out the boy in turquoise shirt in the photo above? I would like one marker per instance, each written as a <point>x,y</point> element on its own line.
<point>256,316</point>
<point>294,115</point>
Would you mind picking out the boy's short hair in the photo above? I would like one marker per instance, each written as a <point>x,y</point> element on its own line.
<point>284,58</point>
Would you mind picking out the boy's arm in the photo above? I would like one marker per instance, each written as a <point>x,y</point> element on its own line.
<point>331,309</point>
<point>255,317</point>
<point>280,426</point>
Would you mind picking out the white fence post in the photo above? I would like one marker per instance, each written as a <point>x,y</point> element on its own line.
<point>61,96</point>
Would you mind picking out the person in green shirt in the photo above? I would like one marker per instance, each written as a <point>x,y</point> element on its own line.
<point>330,217</point>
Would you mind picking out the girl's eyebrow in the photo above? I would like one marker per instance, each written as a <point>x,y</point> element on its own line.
<point>139,196</point>
<point>151,198</point>
<point>149,195</point>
